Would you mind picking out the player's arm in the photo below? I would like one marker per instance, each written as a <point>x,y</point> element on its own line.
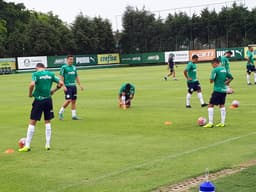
<point>59,85</point>
<point>229,78</point>
<point>186,75</point>
<point>79,83</point>
<point>31,88</point>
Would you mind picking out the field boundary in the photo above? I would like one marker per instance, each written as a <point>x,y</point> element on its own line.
<point>184,186</point>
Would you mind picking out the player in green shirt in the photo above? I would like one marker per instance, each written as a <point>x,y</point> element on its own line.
<point>225,61</point>
<point>126,94</point>
<point>250,65</point>
<point>40,89</point>
<point>192,82</point>
<point>68,74</point>
<point>220,77</point>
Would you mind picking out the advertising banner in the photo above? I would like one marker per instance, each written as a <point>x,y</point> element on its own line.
<point>131,58</point>
<point>179,56</point>
<point>56,61</point>
<point>204,55</point>
<point>112,58</point>
<point>8,63</point>
<point>30,62</point>
<point>238,52</point>
<point>157,57</point>
<point>254,51</point>
<point>82,60</point>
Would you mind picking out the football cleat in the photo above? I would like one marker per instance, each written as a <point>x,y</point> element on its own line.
<point>47,148</point>
<point>209,125</point>
<point>188,106</point>
<point>204,105</point>
<point>24,149</point>
<point>220,125</point>
<point>75,118</point>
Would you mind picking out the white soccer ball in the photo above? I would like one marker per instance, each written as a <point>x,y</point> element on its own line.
<point>201,121</point>
<point>22,142</point>
<point>235,103</point>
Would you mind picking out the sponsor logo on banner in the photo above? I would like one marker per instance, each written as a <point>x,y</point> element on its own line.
<point>153,58</point>
<point>85,60</point>
<point>204,55</point>
<point>108,58</point>
<point>30,62</point>
<point>60,61</point>
<point>8,62</point>
<point>179,56</point>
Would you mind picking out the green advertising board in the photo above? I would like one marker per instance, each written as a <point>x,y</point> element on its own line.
<point>131,59</point>
<point>80,60</point>
<point>238,52</point>
<point>156,57</point>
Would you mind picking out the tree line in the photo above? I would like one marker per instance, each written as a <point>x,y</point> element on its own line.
<point>29,33</point>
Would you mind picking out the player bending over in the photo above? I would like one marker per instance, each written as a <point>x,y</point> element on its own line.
<point>221,78</point>
<point>126,94</point>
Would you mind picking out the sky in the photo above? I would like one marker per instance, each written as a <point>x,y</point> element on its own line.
<point>113,9</point>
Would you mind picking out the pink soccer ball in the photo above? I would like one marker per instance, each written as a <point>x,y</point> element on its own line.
<point>22,142</point>
<point>201,121</point>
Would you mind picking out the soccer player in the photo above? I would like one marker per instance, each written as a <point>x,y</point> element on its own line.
<point>225,60</point>
<point>40,89</point>
<point>250,65</point>
<point>126,94</point>
<point>220,77</point>
<point>68,74</point>
<point>171,67</point>
<point>192,82</point>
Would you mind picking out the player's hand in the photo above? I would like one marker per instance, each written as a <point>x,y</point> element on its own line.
<point>65,89</point>
<point>81,87</point>
<point>189,78</point>
<point>53,91</point>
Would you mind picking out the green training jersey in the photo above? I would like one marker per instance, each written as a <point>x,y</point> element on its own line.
<point>191,70</point>
<point>225,63</point>
<point>43,83</point>
<point>69,74</point>
<point>250,57</point>
<point>131,92</point>
<point>219,75</point>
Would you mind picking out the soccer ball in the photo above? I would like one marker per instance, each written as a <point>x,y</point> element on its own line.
<point>22,142</point>
<point>201,121</point>
<point>235,103</point>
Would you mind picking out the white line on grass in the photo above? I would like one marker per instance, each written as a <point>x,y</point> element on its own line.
<point>150,163</point>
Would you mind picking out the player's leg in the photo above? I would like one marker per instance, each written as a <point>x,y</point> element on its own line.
<point>211,111</point>
<point>67,101</point>
<point>48,115</point>
<point>248,73</point>
<point>189,94</point>
<point>197,88</point>
<point>254,71</point>
<point>35,115</point>
<point>222,99</point>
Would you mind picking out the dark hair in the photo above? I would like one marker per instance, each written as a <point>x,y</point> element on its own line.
<point>195,57</point>
<point>127,86</point>
<point>215,60</point>
<point>69,56</point>
<point>230,52</point>
<point>40,65</point>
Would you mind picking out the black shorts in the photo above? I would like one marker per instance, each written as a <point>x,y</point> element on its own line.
<point>193,86</point>
<point>71,93</point>
<point>40,106</point>
<point>171,69</point>
<point>218,98</point>
<point>250,68</point>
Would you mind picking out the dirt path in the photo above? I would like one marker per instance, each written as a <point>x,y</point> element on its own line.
<point>195,182</point>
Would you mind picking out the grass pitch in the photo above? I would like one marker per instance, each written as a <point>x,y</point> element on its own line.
<point>131,150</point>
